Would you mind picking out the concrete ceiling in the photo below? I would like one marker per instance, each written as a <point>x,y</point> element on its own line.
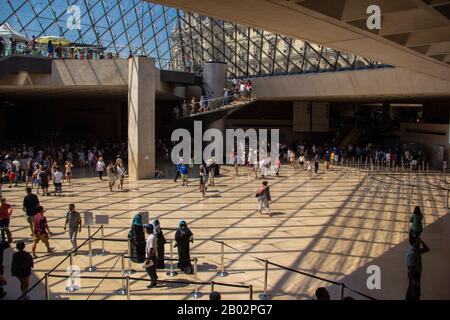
<point>415,34</point>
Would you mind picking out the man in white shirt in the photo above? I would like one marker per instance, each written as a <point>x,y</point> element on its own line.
<point>57,181</point>
<point>151,255</point>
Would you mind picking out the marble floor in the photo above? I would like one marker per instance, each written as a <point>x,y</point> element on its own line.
<point>333,227</point>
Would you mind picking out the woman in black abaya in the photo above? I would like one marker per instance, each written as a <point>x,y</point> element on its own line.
<point>183,237</point>
<point>161,241</point>
<point>137,240</point>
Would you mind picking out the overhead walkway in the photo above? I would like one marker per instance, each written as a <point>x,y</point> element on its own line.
<point>221,109</point>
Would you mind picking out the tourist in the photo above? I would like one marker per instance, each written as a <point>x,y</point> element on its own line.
<point>302,161</point>
<point>100,167</point>
<point>292,158</point>
<point>178,170</point>
<point>416,220</point>
<point>414,264</point>
<point>68,166</point>
<point>136,239</point>
<point>277,166</point>
<point>13,45</point>
<point>59,51</point>
<point>43,178</point>
<point>2,46</point>
<point>151,256</point>
<point>184,171</point>
<point>327,160</point>
<point>308,170</point>
<point>120,169</point>
<point>255,166</point>
<point>57,181</point>
<point>322,294</point>
<point>11,173</point>
<point>183,238</point>
<point>202,184</point>
<point>262,168</point>
<point>111,172</point>
<point>161,242</point>
<point>202,104</point>
<point>50,49</point>
<point>29,174</point>
<point>21,267</point>
<point>5,213</point>
<point>242,90</point>
<point>264,198</point>
<point>215,296</point>
<point>193,105</point>
<point>225,97</point>
<point>159,173</point>
<point>236,164</point>
<point>30,207</point>
<point>211,171</point>
<point>183,111</point>
<point>41,231</point>
<point>316,164</point>
<point>36,178</point>
<point>33,44</point>
<point>73,219</point>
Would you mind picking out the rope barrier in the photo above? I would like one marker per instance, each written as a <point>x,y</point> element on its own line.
<point>54,268</point>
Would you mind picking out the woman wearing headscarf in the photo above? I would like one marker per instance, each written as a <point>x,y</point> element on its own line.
<point>137,240</point>
<point>182,237</point>
<point>161,241</point>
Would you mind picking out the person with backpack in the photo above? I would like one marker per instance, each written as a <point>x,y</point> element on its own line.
<point>21,265</point>
<point>43,178</point>
<point>30,207</point>
<point>41,231</point>
<point>264,198</point>
<point>184,170</point>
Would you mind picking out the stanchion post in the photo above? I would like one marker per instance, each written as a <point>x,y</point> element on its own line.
<point>265,295</point>
<point>122,291</point>
<point>47,289</point>
<point>90,268</point>
<point>73,287</point>
<point>250,292</point>
<point>222,272</point>
<point>171,273</point>
<point>342,291</point>
<point>212,286</point>
<point>127,280</point>
<point>103,252</point>
<point>130,270</point>
<point>196,294</point>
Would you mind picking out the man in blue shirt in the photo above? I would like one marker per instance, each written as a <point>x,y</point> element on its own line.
<point>414,264</point>
<point>178,170</point>
<point>184,170</point>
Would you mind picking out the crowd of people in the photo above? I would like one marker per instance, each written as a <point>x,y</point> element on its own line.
<point>55,50</point>
<point>37,166</point>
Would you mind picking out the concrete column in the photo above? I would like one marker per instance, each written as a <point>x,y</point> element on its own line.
<point>215,80</point>
<point>141,118</point>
